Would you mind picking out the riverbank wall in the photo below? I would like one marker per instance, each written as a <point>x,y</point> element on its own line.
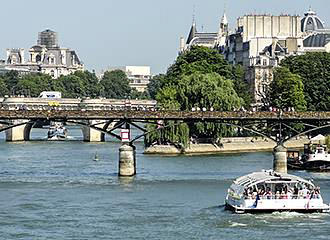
<point>227,145</point>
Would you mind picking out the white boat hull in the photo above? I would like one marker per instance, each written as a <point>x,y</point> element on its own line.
<point>277,205</point>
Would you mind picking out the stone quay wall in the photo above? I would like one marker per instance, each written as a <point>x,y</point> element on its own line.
<point>228,145</point>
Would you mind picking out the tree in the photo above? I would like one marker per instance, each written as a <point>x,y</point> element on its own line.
<point>199,78</point>
<point>197,90</point>
<point>3,87</point>
<point>287,90</point>
<point>92,86</point>
<point>156,83</point>
<point>73,86</point>
<point>33,84</point>
<point>199,59</point>
<point>314,69</point>
<point>11,79</point>
<point>241,86</point>
<point>207,91</point>
<point>115,84</point>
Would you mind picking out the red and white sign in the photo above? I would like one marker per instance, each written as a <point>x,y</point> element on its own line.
<point>125,135</point>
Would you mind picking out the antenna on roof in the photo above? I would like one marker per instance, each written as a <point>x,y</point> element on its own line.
<point>194,12</point>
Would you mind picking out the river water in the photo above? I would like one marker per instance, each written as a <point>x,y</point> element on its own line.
<point>54,190</point>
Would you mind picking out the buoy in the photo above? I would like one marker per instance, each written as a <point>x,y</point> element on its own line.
<point>96,157</point>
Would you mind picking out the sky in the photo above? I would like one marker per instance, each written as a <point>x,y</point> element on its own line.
<point>109,33</point>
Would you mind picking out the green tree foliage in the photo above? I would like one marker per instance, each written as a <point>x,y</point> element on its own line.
<point>314,69</point>
<point>287,90</point>
<point>72,86</point>
<point>175,133</point>
<point>156,83</point>
<point>3,88</point>
<point>199,59</point>
<point>33,84</point>
<point>241,86</point>
<point>91,86</point>
<point>207,91</point>
<point>206,60</point>
<point>116,84</point>
<point>11,79</point>
<point>199,78</point>
<point>139,95</point>
<point>167,98</point>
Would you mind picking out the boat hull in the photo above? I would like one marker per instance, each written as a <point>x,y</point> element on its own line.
<point>317,165</point>
<point>239,210</point>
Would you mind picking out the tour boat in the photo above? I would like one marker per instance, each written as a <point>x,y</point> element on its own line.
<point>269,191</point>
<point>57,132</point>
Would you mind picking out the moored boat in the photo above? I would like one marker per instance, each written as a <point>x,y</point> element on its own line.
<point>315,158</point>
<point>269,191</point>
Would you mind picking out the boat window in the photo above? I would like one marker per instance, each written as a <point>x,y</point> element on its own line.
<point>320,150</point>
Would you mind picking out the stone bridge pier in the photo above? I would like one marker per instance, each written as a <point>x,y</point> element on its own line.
<point>93,135</point>
<point>280,159</point>
<point>19,133</point>
<point>127,160</point>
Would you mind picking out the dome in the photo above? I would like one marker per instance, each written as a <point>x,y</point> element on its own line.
<point>311,22</point>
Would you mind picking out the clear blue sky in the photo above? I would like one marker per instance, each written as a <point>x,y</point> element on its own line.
<point>129,32</point>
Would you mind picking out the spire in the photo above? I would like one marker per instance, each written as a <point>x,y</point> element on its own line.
<point>223,24</point>
<point>192,33</point>
<point>224,19</point>
<point>193,16</point>
<point>193,29</point>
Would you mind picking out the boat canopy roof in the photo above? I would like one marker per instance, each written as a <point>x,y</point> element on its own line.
<point>269,176</point>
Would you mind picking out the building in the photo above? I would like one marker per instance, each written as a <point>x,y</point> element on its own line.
<point>260,42</point>
<point>45,57</point>
<point>264,49</point>
<point>139,76</point>
<point>215,39</point>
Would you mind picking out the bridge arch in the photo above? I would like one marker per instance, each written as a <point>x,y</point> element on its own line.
<point>25,128</point>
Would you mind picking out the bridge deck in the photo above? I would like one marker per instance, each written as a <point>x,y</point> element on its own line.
<point>159,115</point>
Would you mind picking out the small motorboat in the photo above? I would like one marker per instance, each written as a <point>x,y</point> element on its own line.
<point>57,132</point>
<point>316,158</point>
<point>269,191</point>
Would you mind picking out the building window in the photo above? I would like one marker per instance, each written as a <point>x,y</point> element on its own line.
<point>38,58</point>
<point>13,60</point>
<point>264,62</point>
<point>52,73</point>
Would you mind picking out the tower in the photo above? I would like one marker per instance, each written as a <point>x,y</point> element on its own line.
<point>48,38</point>
<point>224,25</point>
<point>223,31</point>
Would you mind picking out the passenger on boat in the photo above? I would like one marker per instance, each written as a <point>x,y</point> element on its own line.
<point>268,193</point>
<point>305,193</point>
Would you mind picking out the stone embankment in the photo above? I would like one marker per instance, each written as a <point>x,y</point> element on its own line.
<point>228,145</point>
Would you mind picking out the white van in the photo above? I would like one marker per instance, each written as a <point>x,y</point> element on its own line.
<point>50,95</point>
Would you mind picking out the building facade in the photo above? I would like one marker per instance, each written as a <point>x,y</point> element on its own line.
<point>261,42</point>
<point>45,57</point>
<point>138,76</point>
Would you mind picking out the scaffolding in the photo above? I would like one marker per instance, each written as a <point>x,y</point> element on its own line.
<point>48,38</point>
